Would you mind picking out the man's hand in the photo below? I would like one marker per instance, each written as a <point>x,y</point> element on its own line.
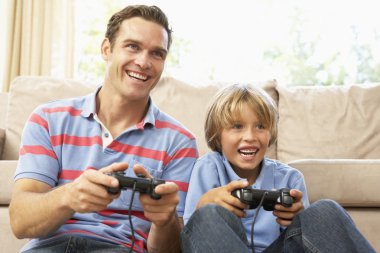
<point>88,192</point>
<point>37,209</point>
<point>285,215</point>
<point>166,226</point>
<point>161,211</point>
<point>222,196</point>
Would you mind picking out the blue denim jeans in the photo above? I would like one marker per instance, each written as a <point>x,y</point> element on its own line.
<point>77,244</point>
<point>324,227</point>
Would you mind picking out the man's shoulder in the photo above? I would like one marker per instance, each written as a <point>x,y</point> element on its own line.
<point>165,120</point>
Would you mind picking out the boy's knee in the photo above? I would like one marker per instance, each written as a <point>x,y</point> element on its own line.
<point>211,211</point>
<point>328,205</point>
<point>329,208</point>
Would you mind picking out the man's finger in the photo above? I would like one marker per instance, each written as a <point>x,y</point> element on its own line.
<point>167,188</point>
<point>140,170</point>
<point>115,167</point>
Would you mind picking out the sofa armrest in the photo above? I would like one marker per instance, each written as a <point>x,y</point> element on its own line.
<point>350,182</point>
<point>7,170</point>
<point>2,141</point>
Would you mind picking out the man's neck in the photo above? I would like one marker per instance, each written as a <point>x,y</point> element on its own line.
<point>118,114</point>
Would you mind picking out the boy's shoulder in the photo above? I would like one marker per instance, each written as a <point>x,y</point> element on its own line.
<point>278,166</point>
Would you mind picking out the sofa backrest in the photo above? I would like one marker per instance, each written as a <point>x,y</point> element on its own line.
<point>184,102</point>
<point>3,108</point>
<point>25,95</point>
<point>329,122</point>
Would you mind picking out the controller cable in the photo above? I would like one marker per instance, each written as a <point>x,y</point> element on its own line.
<point>130,215</point>
<point>254,219</point>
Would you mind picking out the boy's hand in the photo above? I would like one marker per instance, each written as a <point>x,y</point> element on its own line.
<point>222,196</point>
<point>285,215</point>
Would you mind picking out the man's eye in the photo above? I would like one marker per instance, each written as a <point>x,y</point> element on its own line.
<point>158,54</point>
<point>133,46</point>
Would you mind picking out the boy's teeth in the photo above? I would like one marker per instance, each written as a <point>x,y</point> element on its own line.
<point>248,151</point>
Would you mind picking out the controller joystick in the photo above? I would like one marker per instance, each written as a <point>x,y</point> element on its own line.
<point>142,185</point>
<point>252,197</point>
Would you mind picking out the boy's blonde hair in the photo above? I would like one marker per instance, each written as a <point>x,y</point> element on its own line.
<point>227,105</point>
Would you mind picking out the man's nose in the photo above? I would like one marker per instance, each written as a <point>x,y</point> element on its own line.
<point>143,60</point>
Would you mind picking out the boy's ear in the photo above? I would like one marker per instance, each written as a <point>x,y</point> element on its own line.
<point>106,49</point>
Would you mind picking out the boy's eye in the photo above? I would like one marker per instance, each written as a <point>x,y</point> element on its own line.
<point>260,126</point>
<point>237,126</point>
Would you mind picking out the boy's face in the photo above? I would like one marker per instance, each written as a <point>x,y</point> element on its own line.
<point>136,61</point>
<point>245,143</point>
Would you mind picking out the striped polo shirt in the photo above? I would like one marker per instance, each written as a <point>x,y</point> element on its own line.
<point>62,139</point>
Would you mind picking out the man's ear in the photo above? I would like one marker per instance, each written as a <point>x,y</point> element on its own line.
<point>106,49</point>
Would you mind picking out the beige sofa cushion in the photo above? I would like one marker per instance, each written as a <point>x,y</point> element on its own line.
<point>329,122</point>
<point>26,94</point>
<point>342,180</point>
<point>2,140</point>
<point>7,171</point>
<point>3,108</point>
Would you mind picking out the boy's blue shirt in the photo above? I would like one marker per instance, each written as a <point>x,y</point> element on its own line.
<point>213,170</point>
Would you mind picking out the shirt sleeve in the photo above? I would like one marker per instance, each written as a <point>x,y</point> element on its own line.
<point>204,177</point>
<point>37,158</point>
<point>299,183</point>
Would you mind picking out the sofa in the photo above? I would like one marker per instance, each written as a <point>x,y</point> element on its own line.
<point>331,134</point>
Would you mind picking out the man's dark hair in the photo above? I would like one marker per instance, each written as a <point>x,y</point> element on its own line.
<point>149,13</point>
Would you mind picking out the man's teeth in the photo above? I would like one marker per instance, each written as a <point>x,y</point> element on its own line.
<point>137,76</point>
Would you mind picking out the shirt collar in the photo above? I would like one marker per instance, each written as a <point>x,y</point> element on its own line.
<point>89,106</point>
<point>265,180</point>
<point>89,109</point>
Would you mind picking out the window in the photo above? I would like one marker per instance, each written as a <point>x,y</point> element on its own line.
<point>296,42</point>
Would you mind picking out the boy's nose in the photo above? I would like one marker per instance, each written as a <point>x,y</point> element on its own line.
<point>249,135</point>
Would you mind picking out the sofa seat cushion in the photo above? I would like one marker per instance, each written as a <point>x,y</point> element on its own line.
<point>342,180</point>
<point>329,122</point>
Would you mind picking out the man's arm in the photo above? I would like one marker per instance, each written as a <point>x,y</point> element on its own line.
<point>37,209</point>
<point>164,234</point>
<point>166,238</point>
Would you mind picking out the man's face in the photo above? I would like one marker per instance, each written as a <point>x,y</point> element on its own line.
<point>136,61</point>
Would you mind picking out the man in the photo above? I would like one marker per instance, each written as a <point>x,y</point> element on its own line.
<point>60,196</point>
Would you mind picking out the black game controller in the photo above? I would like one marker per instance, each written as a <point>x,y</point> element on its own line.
<point>143,185</point>
<point>252,197</point>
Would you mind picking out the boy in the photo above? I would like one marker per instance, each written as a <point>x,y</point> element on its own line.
<point>241,124</point>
